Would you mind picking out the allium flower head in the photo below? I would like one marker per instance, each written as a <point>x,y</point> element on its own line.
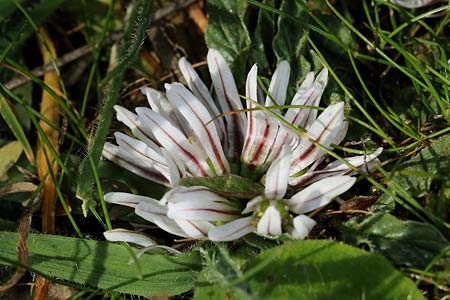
<point>186,134</point>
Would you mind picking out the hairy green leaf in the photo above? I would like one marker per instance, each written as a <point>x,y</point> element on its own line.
<point>227,33</point>
<point>228,186</point>
<point>134,36</point>
<point>405,243</point>
<point>310,270</point>
<point>431,164</point>
<point>103,265</point>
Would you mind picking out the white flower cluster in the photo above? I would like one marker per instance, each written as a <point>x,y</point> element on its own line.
<point>182,135</point>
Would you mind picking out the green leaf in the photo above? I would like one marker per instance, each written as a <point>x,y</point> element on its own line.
<point>262,38</point>
<point>312,270</point>
<point>405,243</point>
<point>288,43</point>
<point>431,164</point>
<point>227,33</point>
<point>232,186</point>
<point>103,265</point>
<point>16,128</point>
<point>9,154</point>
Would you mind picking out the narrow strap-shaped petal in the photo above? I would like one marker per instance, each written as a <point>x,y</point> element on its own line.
<point>138,148</point>
<point>159,103</point>
<point>283,137</point>
<point>132,121</point>
<point>127,161</point>
<point>341,134</point>
<point>195,229</point>
<point>176,168</point>
<point>309,95</point>
<point>414,4</point>
<point>320,193</point>
<point>362,162</point>
<point>156,213</point>
<point>181,193</point>
<point>127,199</point>
<point>278,85</point>
<point>200,121</point>
<point>278,174</point>
<point>232,230</point>
<point>199,204</point>
<point>140,154</point>
<point>198,87</point>
<point>174,141</point>
<point>324,131</point>
<point>302,226</point>
<point>270,222</point>
<point>251,93</point>
<point>192,209</point>
<point>229,101</point>
<point>260,145</point>
<point>251,205</point>
<point>124,235</point>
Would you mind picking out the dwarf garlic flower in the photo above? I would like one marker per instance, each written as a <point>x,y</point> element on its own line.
<point>183,136</point>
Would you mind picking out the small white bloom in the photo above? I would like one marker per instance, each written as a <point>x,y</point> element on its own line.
<point>182,135</point>
<point>124,235</point>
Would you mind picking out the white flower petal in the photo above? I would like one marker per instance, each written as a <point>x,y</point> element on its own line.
<point>200,90</point>
<point>202,205</point>
<point>362,162</point>
<point>320,193</point>
<point>159,103</point>
<point>309,95</point>
<point>175,141</point>
<point>251,93</point>
<point>252,204</point>
<point>195,229</point>
<point>284,136</point>
<point>156,213</point>
<point>413,4</point>
<point>176,169</point>
<point>302,226</point>
<point>123,235</point>
<point>229,100</point>
<point>127,161</point>
<point>127,199</point>
<point>140,150</point>
<point>324,131</point>
<point>357,161</point>
<point>270,222</point>
<point>306,84</point>
<point>200,121</point>
<point>260,144</point>
<point>278,174</point>
<point>278,85</point>
<point>232,230</point>
<point>341,134</point>
<point>132,121</point>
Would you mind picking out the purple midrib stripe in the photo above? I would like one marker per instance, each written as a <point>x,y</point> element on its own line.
<point>238,139</point>
<point>185,152</point>
<point>303,109</point>
<point>233,213</point>
<point>318,140</point>
<point>156,176</point>
<point>261,142</point>
<point>208,133</point>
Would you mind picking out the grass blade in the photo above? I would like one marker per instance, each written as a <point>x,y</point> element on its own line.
<point>134,36</point>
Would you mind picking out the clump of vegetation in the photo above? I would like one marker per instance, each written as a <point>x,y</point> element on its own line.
<point>66,65</point>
